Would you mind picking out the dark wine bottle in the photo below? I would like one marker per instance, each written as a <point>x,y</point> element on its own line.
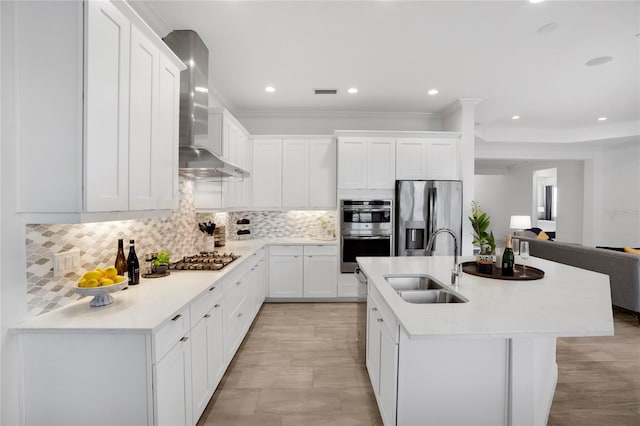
<point>121,261</point>
<point>508,259</point>
<point>133,267</point>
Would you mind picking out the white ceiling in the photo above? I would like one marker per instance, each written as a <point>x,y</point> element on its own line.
<point>394,51</point>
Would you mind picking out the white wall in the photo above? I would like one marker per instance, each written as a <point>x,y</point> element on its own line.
<point>502,196</point>
<point>615,176</point>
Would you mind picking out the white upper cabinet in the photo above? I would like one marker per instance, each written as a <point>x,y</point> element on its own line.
<point>322,173</point>
<point>295,173</point>
<point>267,172</point>
<point>108,37</point>
<point>166,148</point>
<point>381,167</point>
<point>352,163</point>
<point>366,163</point>
<point>143,115</point>
<point>230,140</point>
<point>112,102</point>
<point>427,158</point>
<point>410,159</point>
<point>442,159</point>
<point>306,170</point>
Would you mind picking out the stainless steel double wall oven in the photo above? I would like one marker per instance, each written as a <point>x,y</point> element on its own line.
<point>366,229</point>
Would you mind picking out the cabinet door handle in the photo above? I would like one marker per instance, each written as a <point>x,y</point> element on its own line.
<point>207,316</point>
<point>240,314</point>
<point>177,317</point>
<point>216,306</point>
<point>238,283</point>
<point>380,320</point>
<point>212,288</point>
<point>374,309</point>
<point>184,339</point>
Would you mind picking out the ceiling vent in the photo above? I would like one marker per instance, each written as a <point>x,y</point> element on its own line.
<point>325,91</point>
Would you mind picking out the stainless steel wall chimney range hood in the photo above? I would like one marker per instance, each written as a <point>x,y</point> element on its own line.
<point>196,158</point>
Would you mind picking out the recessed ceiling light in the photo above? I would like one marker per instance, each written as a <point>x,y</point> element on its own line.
<point>535,1</point>
<point>602,118</point>
<point>433,92</point>
<point>547,28</point>
<point>601,60</point>
<point>352,90</point>
<point>515,117</point>
<point>270,89</point>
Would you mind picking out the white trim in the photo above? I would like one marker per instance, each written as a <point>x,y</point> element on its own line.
<point>332,114</point>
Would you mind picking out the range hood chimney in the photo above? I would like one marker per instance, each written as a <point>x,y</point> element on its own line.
<point>196,158</point>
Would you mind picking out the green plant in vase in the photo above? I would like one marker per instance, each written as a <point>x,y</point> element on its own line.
<point>161,261</point>
<point>482,238</point>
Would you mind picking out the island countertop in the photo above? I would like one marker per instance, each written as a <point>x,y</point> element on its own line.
<point>567,302</point>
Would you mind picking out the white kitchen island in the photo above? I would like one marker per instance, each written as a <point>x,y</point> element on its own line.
<point>489,361</point>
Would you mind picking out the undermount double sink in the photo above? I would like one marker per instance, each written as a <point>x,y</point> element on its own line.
<point>422,289</point>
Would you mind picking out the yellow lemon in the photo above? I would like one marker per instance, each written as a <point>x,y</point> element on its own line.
<point>82,283</point>
<point>92,275</point>
<point>92,283</point>
<point>101,271</point>
<point>106,281</point>
<point>111,272</point>
<point>118,279</point>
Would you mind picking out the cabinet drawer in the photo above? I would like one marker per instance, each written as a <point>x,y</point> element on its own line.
<point>170,333</point>
<point>203,304</point>
<point>235,296</point>
<point>257,256</point>
<point>321,250</point>
<point>388,318</point>
<point>285,251</point>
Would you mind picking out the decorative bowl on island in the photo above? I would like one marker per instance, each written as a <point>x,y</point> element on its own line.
<point>101,296</point>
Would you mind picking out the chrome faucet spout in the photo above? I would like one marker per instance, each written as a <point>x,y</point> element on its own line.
<point>455,272</point>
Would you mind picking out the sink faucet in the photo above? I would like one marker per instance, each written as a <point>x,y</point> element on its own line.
<point>455,272</point>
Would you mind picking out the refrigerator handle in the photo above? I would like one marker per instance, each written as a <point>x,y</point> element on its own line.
<point>432,216</point>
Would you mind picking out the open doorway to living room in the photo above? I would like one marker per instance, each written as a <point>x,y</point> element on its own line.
<point>545,202</point>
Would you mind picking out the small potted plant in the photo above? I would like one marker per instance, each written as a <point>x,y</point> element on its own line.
<point>161,262</point>
<point>481,238</point>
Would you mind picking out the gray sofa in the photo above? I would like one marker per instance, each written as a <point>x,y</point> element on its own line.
<point>623,268</point>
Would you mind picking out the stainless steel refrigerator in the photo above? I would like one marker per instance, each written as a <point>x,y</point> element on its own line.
<point>422,207</point>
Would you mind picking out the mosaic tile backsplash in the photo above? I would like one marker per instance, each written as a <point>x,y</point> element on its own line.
<point>178,233</point>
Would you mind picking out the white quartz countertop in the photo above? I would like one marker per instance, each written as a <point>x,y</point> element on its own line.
<point>145,307</point>
<point>567,302</point>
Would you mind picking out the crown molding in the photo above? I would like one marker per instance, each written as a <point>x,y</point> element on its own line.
<point>150,15</point>
<point>602,132</point>
<point>332,114</point>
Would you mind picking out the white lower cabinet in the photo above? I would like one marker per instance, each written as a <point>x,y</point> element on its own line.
<point>303,271</point>
<point>172,380</point>
<point>161,377</point>
<point>207,356</point>
<point>320,271</point>
<point>286,273</point>
<point>382,356</point>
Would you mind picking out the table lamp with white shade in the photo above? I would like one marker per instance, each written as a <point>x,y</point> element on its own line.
<point>520,223</point>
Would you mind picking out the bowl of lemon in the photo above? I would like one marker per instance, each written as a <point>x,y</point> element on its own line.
<point>99,283</point>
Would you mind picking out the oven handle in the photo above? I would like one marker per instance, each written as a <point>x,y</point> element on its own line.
<point>366,210</point>
<point>374,237</point>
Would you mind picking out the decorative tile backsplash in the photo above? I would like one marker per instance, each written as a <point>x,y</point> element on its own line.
<point>179,233</point>
<point>294,224</point>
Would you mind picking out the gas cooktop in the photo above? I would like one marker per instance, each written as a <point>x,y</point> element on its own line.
<point>204,261</point>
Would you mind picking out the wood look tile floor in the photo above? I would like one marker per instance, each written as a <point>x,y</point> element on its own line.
<point>299,366</point>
